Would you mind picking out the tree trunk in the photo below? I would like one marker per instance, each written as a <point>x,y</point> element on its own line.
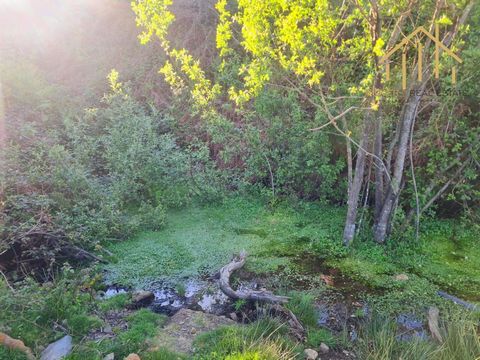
<point>409,113</point>
<point>379,167</point>
<point>358,178</point>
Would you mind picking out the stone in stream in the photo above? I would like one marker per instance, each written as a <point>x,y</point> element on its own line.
<point>183,327</point>
<point>141,299</point>
<point>58,350</point>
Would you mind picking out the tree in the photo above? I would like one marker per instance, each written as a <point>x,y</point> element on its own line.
<point>330,54</point>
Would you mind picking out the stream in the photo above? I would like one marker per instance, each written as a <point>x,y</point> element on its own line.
<point>341,307</point>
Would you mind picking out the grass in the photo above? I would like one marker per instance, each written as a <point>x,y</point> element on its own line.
<point>265,339</point>
<point>448,255</point>
<point>317,336</point>
<point>302,305</point>
<point>378,341</point>
<point>116,302</point>
<point>282,242</point>
<point>200,240</point>
<point>142,325</point>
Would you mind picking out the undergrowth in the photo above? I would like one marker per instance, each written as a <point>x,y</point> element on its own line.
<point>379,340</point>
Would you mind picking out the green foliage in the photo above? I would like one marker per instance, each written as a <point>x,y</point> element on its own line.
<point>81,323</point>
<point>12,354</point>
<point>116,302</point>
<point>263,339</point>
<point>447,255</point>
<point>378,340</point>
<point>239,304</point>
<point>142,325</point>
<point>103,175</point>
<point>163,354</point>
<point>317,336</point>
<point>272,237</point>
<point>301,305</point>
<point>280,142</point>
<point>33,311</point>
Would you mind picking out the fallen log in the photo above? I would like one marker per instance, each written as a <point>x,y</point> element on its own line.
<point>278,310</point>
<point>254,295</point>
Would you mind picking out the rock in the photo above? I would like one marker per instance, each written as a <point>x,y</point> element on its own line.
<point>133,357</point>
<point>179,338</point>
<point>107,329</point>
<point>110,356</point>
<point>141,299</point>
<point>324,348</point>
<point>233,316</point>
<point>310,354</point>
<point>401,277</point>
<point>58,350</point>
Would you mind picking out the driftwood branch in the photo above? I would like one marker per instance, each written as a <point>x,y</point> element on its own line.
<point>227,271</point>
<point>238,262</point>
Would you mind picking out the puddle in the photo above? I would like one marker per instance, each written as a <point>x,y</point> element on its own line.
<point>193,294</point>
<point>349,290</point>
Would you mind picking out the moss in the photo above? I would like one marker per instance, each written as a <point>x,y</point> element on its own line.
<point>203,239</point>
<point>448,255</point>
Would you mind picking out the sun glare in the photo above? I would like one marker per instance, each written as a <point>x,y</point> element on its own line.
<point>13,4</point>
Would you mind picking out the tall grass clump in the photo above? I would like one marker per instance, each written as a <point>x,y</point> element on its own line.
<point>265,339</point>
<point>379,340</point>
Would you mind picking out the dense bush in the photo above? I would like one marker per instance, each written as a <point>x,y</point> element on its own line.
<point>80,180</point>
